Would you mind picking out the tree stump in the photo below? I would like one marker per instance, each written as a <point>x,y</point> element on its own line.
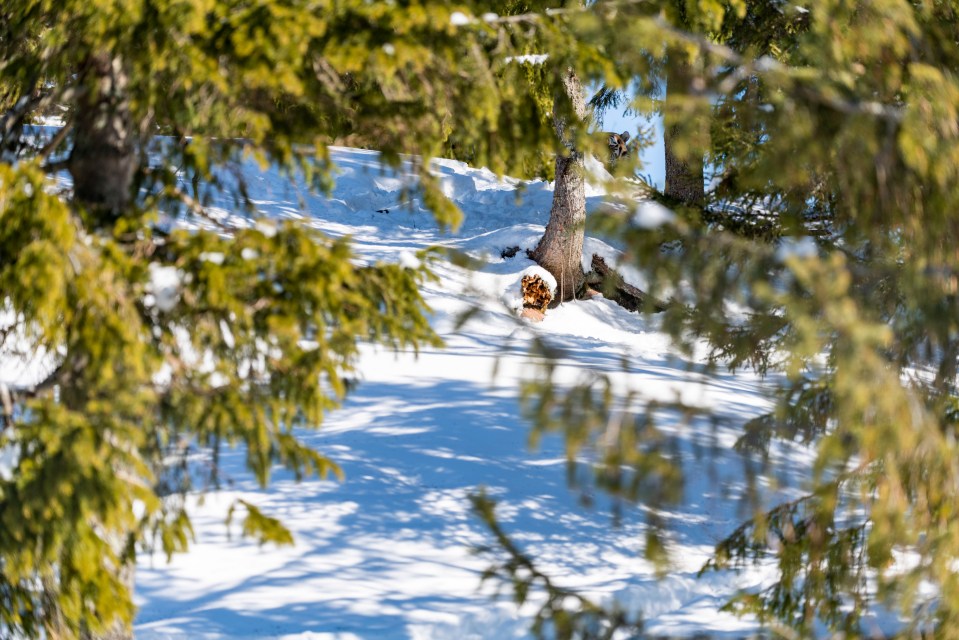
<point>537,294</point>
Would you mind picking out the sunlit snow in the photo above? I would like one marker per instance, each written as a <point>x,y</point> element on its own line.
<point>387,553</point>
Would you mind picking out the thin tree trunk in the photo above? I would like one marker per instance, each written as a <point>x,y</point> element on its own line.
<point>560,251</point>
<point>102,163</point>
<point>685,132</point>
<point>103,159</point>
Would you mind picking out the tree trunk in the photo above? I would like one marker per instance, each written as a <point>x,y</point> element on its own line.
<point>560,251</point>
<point>102,163</point>
<point>103,159</point>
<point>685,132</point>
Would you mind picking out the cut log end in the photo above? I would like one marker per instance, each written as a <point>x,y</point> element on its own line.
<point>536,293</point>
<point>533,315</point>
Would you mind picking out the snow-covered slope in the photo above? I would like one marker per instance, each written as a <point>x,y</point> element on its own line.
<point>387,553</point>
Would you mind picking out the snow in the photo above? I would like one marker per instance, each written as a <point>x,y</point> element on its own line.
<point>266,227</point>
<point>459,19</point>
<point>652,215</point>
<point>163,289</point>
<point>21,364</point>
<point>388,552</point>
<point>50,121</point>
<point>545,275</point>
<point>596,171</point>
<point>214,257</point>
<point>9,457</point>
<point>792,247</point>
<point>409,260</point>
<point>530,58</point>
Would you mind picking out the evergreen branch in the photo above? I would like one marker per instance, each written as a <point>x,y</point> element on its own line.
<point>56,166</point>
<point>196,208</point>
<point>15,115</point>
<point>533,17</point>
<point>766,64</point>
<point>52,379</point>
<point>36,100</point>
<point>520,570</point>
<point>744,68</point>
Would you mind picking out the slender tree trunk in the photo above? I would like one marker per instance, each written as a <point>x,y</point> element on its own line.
<point>102,163</point>
<point>103,159</point>
<point>685,132</point>
<point>560,251</point>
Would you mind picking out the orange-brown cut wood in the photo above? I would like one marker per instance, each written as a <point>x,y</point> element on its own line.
<point>536,293</point>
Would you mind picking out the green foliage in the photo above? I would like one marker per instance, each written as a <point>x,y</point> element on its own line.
<point>34,260</point>
<point>824,255</point>
<point>844,133</point>
<point>834,122</point>
<point>823,576</point>
<point>161,342</point>
<point>63,514</point>
<point>260,526</point>
<point>257,338</point>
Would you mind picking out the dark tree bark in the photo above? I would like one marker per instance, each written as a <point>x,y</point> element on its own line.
<point>102,163</point>
<point>612,286</point>
<point>560,251</point>
<point>685,132</point>
<point>103,160</point>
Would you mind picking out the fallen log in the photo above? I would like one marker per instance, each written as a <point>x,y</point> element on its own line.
<point>612,286</point>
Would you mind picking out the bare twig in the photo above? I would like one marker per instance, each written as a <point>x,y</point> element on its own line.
<point>55,141</point>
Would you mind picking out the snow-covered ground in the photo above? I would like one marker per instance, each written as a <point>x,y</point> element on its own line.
<point>387,553</point>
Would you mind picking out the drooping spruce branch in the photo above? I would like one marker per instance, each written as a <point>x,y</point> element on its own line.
<point>565,613</point>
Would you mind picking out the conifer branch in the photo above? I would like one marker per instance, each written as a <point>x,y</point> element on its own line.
<point>36,100</point>
<point>196,208</point>
<point>521,571</point>
<point>15,115</point>
<point>57,166</point>
<point>744,68</point>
